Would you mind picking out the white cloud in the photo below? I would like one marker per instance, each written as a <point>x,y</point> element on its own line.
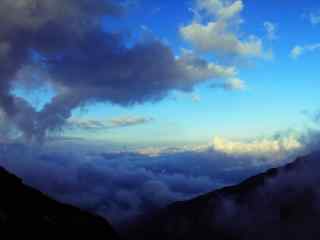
<point>278,147</point>
<point>298,50</point>
<point>275,147</point>
<point>271,30</point>
<point>215,38</point>
<point>220,8</point>
<point>219,35</point>
<point>215,30</point>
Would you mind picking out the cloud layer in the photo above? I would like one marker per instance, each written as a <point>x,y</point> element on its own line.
<point>123,185</point>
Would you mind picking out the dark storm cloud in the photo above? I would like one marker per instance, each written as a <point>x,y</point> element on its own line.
<point>84,63</point>
<point>122,185</point>
<point>45,27</point>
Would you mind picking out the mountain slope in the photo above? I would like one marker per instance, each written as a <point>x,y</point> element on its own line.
<point>23,208</point>
<point>281,203</point>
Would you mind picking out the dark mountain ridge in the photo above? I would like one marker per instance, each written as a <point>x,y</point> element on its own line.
<point>282,203</point>
<point>24,210</point>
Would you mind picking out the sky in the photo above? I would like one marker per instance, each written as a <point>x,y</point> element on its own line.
<point>277,90</point>
<point>274,79</point>
<point>121,107</point>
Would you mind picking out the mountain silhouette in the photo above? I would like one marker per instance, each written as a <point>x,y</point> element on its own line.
<point>282,203</point>
<point>27,212</point>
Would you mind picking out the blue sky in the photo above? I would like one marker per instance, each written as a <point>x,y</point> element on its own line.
<point>277,90</point>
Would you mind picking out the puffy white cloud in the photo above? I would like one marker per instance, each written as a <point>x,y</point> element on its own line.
<point>298,50</point>
<point>277,147</point>
<point>271,147</point>
<point>219,35</point>
<point>220,8</point>
<point>214,37</point>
